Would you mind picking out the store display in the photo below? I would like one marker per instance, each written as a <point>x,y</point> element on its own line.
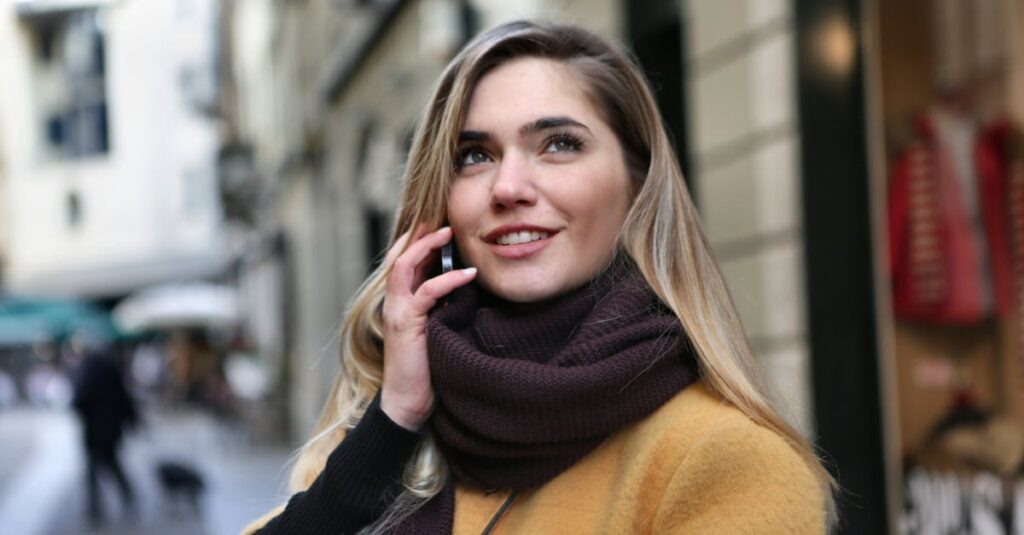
<point>955,227</point>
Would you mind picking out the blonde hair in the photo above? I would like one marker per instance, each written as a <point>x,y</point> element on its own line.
<point>662,234</point>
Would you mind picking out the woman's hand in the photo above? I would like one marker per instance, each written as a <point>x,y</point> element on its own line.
<point>406,395</point>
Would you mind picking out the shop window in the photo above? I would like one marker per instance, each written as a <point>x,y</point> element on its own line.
<point>955,227</point>
<point>70,84</point>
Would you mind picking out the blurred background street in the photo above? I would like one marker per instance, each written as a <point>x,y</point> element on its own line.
<point>42,488</point>
<point>192,190</point>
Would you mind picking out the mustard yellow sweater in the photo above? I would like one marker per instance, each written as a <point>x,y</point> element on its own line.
<point>696,465</point>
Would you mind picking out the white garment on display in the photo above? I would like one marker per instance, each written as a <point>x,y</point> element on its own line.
<point>958,134</point>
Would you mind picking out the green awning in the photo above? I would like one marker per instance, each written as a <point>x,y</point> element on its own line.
<point>25,321</point>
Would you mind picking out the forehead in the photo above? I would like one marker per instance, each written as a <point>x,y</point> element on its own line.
<point>526,88</point>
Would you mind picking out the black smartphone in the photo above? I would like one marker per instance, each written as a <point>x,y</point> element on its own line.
<point>447,260</point>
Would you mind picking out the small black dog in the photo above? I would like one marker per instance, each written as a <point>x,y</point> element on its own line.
<point>180,483</point>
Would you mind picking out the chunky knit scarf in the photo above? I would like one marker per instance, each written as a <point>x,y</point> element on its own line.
<point>525,391</point>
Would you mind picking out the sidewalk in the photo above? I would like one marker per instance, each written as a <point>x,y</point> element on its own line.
<point>17,445</point>
<point>44,493</point>
<point>43,462</point>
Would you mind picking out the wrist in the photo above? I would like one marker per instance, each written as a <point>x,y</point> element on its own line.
<point>400,412</point>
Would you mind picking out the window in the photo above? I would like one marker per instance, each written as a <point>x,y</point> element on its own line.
<point>73,208</point>
<point>70,84</point>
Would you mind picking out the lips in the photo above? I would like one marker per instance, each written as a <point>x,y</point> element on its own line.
<point>518,241</point>
<point>507,235</point>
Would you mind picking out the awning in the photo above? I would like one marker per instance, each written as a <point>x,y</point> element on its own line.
<point>25,321</point>
<point>169,306</point>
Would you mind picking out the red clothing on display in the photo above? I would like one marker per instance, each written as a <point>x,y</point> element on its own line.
<point>941,271</point>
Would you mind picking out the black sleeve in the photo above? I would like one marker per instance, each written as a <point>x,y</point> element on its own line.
<point>362,477</point>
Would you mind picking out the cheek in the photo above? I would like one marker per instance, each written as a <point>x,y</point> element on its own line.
<point>603,226</point>
<point>603,207</point>
<point>463,209</point>
<point>456,206</point>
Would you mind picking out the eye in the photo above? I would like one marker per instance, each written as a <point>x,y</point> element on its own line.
<point>471,156</point>
<point>563,142</point>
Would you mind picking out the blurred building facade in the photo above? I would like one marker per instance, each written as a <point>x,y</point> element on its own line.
<point>110,145</point>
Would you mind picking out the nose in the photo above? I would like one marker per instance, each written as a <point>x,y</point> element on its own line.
<point>513,183</point>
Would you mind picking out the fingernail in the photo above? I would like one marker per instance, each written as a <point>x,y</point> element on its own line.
<point>443,229</point>
<point>469,271</point>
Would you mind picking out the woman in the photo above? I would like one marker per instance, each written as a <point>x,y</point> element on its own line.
<point>586,372</point>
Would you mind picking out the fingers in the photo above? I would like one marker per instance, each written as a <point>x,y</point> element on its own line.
<point>399,245</point>
<point>395,250</point>
<point>406,287</point>
<point>433,289</point>
<point>404,271</point>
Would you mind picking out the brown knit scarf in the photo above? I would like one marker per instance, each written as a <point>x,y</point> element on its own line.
<point>525,391</point>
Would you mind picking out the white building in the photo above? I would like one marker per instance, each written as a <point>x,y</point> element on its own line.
<point>109,146</point>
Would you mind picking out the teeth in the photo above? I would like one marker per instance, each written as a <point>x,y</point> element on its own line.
<point>515,238</point>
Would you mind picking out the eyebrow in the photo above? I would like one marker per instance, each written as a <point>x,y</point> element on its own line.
<point>544,123</point>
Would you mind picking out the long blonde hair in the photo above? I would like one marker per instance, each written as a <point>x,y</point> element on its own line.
<point>662,234</point>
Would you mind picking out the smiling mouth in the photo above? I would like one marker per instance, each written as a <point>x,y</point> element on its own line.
<point>523,236</point>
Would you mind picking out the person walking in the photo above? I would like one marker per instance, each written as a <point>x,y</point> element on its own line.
<point>106,410</point>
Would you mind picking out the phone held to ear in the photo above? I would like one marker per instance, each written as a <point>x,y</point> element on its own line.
<point>447,263</point>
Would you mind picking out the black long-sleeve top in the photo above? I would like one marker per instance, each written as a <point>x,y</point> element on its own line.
<point>361,478</point>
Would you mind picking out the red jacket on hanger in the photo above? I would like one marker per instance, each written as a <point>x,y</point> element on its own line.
<point>937,273</point>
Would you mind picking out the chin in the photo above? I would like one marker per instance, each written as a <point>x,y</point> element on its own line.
<point>522,295</point>
<point>528,291</point>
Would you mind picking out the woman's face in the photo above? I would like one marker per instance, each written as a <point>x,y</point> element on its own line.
<point>541,186</point>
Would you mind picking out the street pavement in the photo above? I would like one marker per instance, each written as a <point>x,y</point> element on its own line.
<point>42,485</point>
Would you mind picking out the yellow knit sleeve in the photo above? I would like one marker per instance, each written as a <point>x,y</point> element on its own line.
<point>737,478</point>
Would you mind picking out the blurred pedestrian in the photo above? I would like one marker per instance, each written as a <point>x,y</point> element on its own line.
<point>582,368</point>
<point>106,410</point>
